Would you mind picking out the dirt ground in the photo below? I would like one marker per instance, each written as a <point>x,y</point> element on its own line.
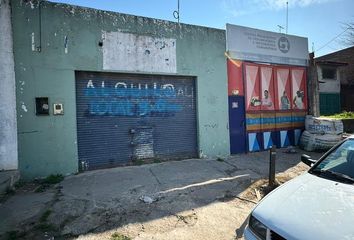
<point>190,199</point>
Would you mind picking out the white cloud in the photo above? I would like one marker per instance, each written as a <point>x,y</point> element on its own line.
<point>244,7</point>
<point>281,4</point>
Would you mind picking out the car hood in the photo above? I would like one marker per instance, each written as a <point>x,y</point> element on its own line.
<point>309,207</point>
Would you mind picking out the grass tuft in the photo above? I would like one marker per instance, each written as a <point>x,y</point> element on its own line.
<point>14,235</point>
<point>138,162</point>
<point>53,179</point>
<point>157,161</point>
<point>342,115</point>
<point>45,216</point>
<point>118,236</point>
<point>9,191</point>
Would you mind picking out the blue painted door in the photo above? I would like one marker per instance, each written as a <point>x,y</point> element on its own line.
<point>237,124</point>
<point>127,117</point>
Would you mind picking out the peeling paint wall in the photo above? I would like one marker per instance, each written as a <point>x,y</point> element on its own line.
<point>132,52</point>
<point>75,38</point>
<point>8,125</point>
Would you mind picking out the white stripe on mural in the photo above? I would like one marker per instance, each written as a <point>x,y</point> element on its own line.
<point>296,75</point>
<point>251,75</point>
<point>282,76</point>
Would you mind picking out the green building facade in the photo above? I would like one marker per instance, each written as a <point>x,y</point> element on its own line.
<point>53,41</point>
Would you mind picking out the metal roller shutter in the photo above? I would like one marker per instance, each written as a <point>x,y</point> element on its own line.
<point>124,117</point>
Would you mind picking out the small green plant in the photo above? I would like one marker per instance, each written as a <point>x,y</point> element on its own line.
<point>118,236</point>
<point>53,179</point>
<point>45,216</point>
<point>13,235</point>
<point>45,227</point>
<point>138,162</point>
<point>219,159</point>
<point>41,188</point>
<point>48,181</point>
<point>157,161</point>
<point>19,184</point>
<point>10,191</point>
<point>342,115</point>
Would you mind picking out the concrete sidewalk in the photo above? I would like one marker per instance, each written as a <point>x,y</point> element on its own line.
<point>192,199</point>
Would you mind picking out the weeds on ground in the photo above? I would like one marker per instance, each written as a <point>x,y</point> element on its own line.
<point>53,179</point>
<point>14,235</point>
<point>45,216</point>
<point>48,181</point>
<point>219,159</point>
<point>118,236</point>
<point>43,225</point>
<point>342,115</point>
<point>138,162</point>
<point>19,184</point>
<point>9,191</point>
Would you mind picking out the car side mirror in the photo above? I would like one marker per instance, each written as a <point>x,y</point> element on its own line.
<point>307,160</point>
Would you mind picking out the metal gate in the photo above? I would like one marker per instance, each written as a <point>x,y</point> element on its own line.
<point>237,124</point>
<point>127,117</point>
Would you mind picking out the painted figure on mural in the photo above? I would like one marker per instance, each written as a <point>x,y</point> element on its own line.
<point>284,100</point>
<point>298,100</point>
<point>255,102</point>
<point>266,101</point>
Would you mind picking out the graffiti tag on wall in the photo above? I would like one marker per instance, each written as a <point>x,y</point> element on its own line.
<point>131,100</point>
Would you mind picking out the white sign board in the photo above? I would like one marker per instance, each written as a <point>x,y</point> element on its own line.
<point>251,44</point>
<point>131,52</point>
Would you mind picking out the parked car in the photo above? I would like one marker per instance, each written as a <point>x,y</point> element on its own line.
<point>316,205</point>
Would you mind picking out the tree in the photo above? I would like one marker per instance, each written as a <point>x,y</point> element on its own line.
<point>348,36</point>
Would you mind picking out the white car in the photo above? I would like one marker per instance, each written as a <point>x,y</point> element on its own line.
<point>316,205</point>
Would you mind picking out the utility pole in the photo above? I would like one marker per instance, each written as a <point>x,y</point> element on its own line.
<point>176,13</point>
<point>287,16</point>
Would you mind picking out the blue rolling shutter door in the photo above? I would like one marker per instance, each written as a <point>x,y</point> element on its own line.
<point>125,117</point>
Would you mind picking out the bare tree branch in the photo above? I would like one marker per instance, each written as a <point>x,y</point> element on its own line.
<point>348,37</point>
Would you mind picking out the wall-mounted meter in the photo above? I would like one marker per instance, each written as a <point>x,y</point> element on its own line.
<point>42,106</point>
<point>58,109</point>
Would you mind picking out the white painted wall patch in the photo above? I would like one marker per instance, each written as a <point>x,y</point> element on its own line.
<point>131,52</point>
<point>23,106</point>
<point>33,43</point>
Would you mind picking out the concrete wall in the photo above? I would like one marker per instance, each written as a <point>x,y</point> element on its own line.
<point>328,85</point>
<point>8,126</point>
<point>70,41</point>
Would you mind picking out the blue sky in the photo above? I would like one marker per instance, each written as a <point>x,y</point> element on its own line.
<point>318,20</point>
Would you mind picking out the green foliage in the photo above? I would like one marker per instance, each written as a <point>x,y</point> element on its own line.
<point>45,227</point>
<point>138,162</point>
<point>342,115</point>
<point>13,235</point>
<point>19,184</point>
<point>118,236</point>
<point>45,216</point>
<point>157,160</point>
<point>53,179</point>
<point>9,191</point>
<point>41,188</point>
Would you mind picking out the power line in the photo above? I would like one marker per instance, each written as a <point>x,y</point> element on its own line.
<point>334,38</point>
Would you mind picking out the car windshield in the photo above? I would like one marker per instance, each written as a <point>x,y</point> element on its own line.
<point>339,164</point>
